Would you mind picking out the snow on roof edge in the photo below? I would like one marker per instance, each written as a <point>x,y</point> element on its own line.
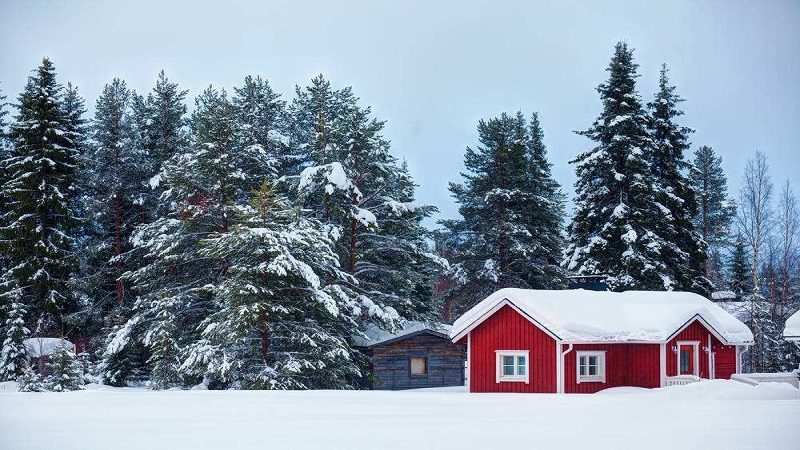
<point>579,315</point>
<point>376,336</point>
<point>791,331</point>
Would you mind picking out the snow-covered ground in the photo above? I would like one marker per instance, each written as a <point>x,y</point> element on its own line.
<point>708,415</point>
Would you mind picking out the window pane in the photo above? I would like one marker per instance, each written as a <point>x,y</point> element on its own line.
<point>593,360</point>
<point>508,370</point>
<point>583,370</point>
<point>520,360</point>
<point>508,360</point>
<point>419,366</point>
<point>582,360</point>
<point>521,370</point>
<point>592,370</point>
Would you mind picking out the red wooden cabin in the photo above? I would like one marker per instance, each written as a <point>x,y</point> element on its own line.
<point>578,341</point>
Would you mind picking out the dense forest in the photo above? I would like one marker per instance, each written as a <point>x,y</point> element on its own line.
<point>244,241</point>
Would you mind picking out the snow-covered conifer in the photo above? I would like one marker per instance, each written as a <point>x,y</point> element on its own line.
<point>511,207</point>
<point>280,324</point>
<point>64,371</point>
<point>685,253</point>
<point>13,358</point>
<point>37,227</point>
<point>350,182</point>
<point>613,229</point>
<point>715,210</point>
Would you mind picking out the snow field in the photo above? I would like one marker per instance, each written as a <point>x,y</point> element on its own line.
<point>708,415</point>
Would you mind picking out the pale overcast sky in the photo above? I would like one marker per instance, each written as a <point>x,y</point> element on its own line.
<point>432,69</point>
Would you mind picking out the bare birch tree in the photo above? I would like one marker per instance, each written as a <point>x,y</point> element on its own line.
<point>755,210</point>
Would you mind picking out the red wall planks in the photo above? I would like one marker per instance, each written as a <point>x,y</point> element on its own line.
<point>626,365</point>
<point>508,330</point>
<point>724,355</point>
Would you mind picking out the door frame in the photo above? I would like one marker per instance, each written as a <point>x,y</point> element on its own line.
<point>695,356</point>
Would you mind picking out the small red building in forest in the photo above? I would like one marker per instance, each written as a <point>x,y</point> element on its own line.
<point>579,341</point>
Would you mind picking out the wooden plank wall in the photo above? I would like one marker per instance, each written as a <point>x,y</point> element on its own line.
<point>392,363</point>
<point>508,330</point>
<point>626,365</point>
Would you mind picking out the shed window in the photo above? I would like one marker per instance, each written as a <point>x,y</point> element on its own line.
<point>591,367</point>
<point>512,365</point>
<point>419,366</point>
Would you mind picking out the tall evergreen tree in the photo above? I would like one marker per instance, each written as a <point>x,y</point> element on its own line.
<point>37,229</point>
<point>13,357</point>
<point>685,256</point>
<point>286,329</point>
<point>202,187</point>
<point>613,229</point>
<point>740,273</point>
<point>353,184</point>
<point>511,209</point>
<point>715,210</point>
<point>262,123</point>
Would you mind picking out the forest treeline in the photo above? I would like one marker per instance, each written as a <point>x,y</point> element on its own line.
<point>245,243</point>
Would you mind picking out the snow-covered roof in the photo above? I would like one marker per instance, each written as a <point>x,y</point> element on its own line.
<point>792,330</point>
<point>723,295</point>
<point>376,336</point>
<point>594,316</point>
<point>45,346</point>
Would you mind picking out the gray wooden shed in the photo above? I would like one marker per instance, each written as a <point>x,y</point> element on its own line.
<point>419,355</point>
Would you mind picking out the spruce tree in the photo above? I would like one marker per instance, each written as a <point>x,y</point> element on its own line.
<point>685,255</point>
<point>202,186</point>
<point>715,210</point>
<point>37,228</point>
<point>262,123</point>
<point>509,233</point>
<point>351,182</point>
<point>280,326</point>
<point>614,227</point>
<point>64,371</point>
<point>13,358</point>
<point>740,273</point>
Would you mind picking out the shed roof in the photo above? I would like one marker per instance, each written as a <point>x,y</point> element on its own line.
<point>45,346</point>
<point>377,336</point>
<point>792,330</point>
<point>596,316</point>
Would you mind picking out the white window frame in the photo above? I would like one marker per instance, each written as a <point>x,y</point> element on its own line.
<point>696,357</point>
<point>601,367</point>
<point>499,354</point>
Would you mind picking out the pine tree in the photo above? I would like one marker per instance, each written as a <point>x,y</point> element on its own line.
<point>159,123</point>
<point>117,173</point>
<point>280,326</point>
<point>351,183</point>
<point>64,371</point>
<point>262,124</point>
<point>715,210</point>
<point>740,272</point>
<point>202,186</point>
<point>511,207</point>
<point>13,358</point>
<point>685,255</point>
<point>38,224</point>
<point>613,229</point>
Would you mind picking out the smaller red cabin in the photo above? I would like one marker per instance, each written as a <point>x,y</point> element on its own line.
<point>578,341</point>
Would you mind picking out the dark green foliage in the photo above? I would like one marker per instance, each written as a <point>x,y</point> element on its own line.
<point>741,275</point>
<point>354,185</point>
<point>64,371</point>
<point>13,358</point>
<point>511,209</point>
<point>613,230</point>
<point>685,255</point>
<point>279,325</point>
<point>37,228</point>
<point>715,211</point>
